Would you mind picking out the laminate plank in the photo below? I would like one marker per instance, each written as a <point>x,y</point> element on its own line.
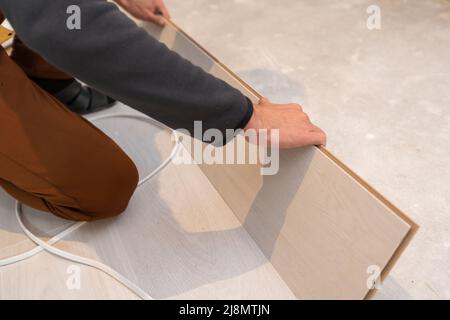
<point>319,224</point>
<point>45,276</point>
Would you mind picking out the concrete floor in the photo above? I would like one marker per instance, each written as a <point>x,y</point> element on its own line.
<point>383,96</point>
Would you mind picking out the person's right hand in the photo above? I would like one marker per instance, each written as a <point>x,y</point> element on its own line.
<point>295,127</point>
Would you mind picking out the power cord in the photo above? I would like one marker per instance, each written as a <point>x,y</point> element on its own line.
<point>48,246</point>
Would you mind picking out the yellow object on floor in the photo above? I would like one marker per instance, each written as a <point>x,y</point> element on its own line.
<point>5,34</point>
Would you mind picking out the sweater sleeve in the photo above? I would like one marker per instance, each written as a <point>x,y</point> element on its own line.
<point>112,54</point>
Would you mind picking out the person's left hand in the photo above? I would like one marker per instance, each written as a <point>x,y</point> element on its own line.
<point>149,10</point>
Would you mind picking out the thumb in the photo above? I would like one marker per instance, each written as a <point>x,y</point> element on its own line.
<point>163,10</point>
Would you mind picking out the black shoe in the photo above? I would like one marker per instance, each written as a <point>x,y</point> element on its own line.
<point>82,99</point>
<point>74,95</point>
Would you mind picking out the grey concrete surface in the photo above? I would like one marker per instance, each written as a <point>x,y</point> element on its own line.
<point>383,97</point>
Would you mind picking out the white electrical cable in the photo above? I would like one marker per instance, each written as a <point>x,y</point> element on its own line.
<point>75,258</point>
<point>48,246</point>
<point>37,249</point>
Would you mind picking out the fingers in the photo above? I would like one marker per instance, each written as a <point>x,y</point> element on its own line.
<point>263,100</point>
<point>318,138</point>
<point>155,18</point>
<point>297,129</point>
<point>315,128</point>
<point>162,8</point>
<point>298,106</point>
<point>318,133</point>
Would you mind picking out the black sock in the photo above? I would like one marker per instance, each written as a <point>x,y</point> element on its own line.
<point>52,85</point>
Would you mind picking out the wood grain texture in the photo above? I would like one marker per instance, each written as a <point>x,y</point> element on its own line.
<point>44,276</point>
<point>177,239</point>
<point>320,225</point>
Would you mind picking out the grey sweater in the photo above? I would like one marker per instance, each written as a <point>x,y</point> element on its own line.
<point>113,55</point>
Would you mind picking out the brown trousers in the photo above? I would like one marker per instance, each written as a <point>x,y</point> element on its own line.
<point>52,159</point>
